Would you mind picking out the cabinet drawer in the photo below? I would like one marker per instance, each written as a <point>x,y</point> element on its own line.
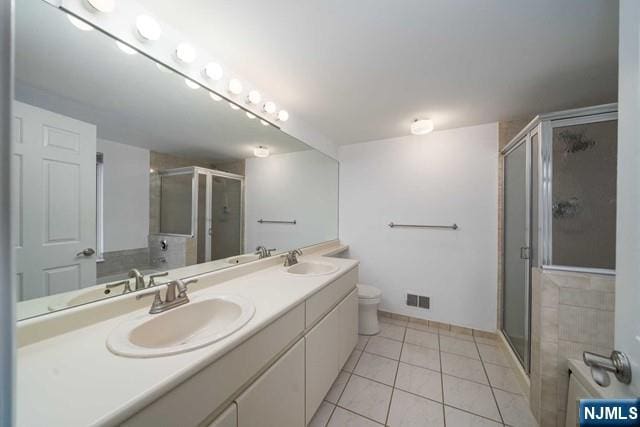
<point>324,300</point>
<point>229,418</point>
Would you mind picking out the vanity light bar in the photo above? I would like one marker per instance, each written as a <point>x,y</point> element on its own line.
<point>148,30</point>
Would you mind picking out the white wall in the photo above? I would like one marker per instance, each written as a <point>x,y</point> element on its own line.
<point>627,322</point>
<point>303,186</point>
<point>126,196</point>
<point>445,177</point>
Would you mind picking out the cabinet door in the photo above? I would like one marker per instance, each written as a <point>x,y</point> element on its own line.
<point>322,360</point>
<point>229,418</point>
<point>276,398</point>
<point>348,324</point>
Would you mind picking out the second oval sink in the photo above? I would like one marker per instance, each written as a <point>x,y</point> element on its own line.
<point>196,324</point>
<point>309,268</point>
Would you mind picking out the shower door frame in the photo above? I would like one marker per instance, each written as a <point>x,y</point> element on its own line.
<point>543,125</point>
<point>525,140</point>
<point>604,114</point>
<point>195,171</point>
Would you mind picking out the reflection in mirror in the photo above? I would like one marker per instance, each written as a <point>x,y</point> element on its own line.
<point>122,171</point>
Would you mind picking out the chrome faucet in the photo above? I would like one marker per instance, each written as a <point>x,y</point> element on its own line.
<point>135,273</point>
<point>263,252</point>
<point>291,257</point>
<point>171,299</point>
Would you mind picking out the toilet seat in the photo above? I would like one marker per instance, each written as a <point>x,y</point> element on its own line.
<point>368,292</point>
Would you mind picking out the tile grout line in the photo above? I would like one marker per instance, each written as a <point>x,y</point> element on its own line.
<point>335,405</point>
<point>444,413</point>
<point>395,378</point>
<point>490,387</point>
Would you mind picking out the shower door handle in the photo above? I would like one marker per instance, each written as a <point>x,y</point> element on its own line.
<point>524,252</point>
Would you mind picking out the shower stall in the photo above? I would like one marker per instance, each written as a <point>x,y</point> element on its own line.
<point>559,209</point>
<point>204,205</point>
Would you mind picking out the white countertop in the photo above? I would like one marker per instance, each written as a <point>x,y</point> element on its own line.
<point>72,379</point>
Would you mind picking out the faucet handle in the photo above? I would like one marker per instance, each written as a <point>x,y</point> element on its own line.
<point>182,286</point>
<point>157,299</point>
<point>152,278</point>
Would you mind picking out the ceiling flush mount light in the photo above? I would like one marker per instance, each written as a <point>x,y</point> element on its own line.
<point>126,49</point>
<point>79,24</point>
<point>191,84</point>
<point>235,86</point>
<point>215,96</point>
<point>261,151</point>
<point>148,28</point>
<point>421,126</point>
<point>212,71</point>
<point>254,97</point>
<point>105,6</point>
<point>269,107</point>
<point>283,115</point>
<point>186,53</point>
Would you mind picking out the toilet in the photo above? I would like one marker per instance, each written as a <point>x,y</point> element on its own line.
<point>368,301</point>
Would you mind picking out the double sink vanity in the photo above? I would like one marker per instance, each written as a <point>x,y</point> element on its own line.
<point>256,344</point>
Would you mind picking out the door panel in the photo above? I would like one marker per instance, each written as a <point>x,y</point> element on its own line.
<point>54,201</point>
<point>516,251</point>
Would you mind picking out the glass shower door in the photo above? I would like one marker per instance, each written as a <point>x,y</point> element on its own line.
<point>517,252</point>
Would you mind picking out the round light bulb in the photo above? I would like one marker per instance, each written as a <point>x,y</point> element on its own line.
<point>148,28</point>
<point>261,151</point>
<point>283,115</point>
<point>250,115</point>
<point>235,86</point>
<point>215,96</point>
<point>421,127</point>
<point>126,49</point>
<point>233,106</point>
<point>269,107</point>
<point>254,97</point>
<point>191,84</point>
<point>264,123</point>
<point>105,6</point>
<point>79,24</point>
<point>186,53</point>
<point>213,71</point>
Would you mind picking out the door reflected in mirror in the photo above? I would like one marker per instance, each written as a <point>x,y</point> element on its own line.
<point>121,172</point>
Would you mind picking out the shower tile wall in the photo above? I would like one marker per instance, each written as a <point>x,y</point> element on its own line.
<point>181,251</point>
<point>571,313</point>
<point>122,261</point>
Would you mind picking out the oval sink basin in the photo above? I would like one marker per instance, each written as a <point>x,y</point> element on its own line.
<point>242,259</point>
<point>194,325</point>
<point>84,297</point>
<point>308,268</point>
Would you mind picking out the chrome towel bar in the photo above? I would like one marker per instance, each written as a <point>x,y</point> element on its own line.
<point>264,221</point>
<point>452,227</point>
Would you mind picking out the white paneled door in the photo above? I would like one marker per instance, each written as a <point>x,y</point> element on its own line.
<point>54,202</point>
<point>627,337</point>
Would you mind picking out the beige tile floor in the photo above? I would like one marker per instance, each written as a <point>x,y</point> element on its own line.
<point>413,375</point>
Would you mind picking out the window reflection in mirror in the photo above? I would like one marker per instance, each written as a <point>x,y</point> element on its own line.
<point>118,165</point>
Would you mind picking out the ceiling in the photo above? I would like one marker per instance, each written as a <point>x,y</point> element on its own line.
<point>362,70</point>
<point>85,76</point>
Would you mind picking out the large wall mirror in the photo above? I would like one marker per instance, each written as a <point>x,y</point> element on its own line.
<point>123,169</point>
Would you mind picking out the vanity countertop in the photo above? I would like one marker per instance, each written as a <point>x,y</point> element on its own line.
<point>72,379</point>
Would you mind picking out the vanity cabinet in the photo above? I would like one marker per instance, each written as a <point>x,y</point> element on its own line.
<point>276,398</point>
<point>229,418</point>
<point>328,346</point>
